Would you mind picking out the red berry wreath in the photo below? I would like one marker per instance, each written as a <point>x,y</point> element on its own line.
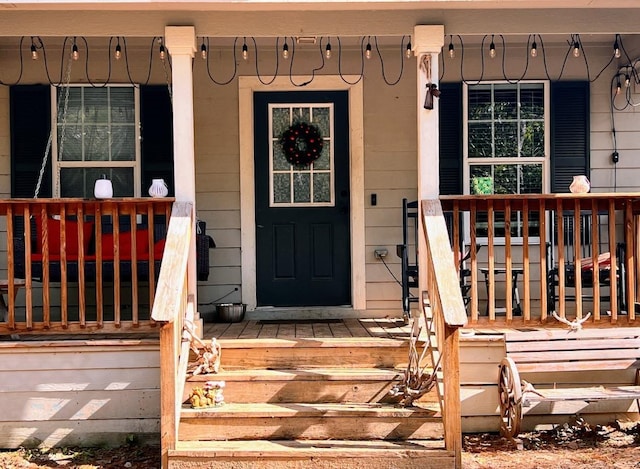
<point>302,144</point>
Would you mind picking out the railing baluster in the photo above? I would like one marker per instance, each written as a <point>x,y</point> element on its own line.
<point>46,301</point>
<point>99,292</point>
<point>595,254</point>
<point>115,218</point>
<point>526,271</point>
<point>473,213</point>
<point>152,262</point>
<point>508,262</point>
<point>64,286</point>
<point>629,262</point>
<point>544,268</point>
<point>82,297</point>
<point>490,240</point>
<point>11,296</point>
<point>561,266</point>
<point>26,214</point>
<point>135,318</point>
<point>613,285</point>
<point>577,256</point>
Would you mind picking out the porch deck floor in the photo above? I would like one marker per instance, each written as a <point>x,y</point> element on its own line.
<point>393,328</point>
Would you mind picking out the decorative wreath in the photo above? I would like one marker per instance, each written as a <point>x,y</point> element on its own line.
<point>301,143</point>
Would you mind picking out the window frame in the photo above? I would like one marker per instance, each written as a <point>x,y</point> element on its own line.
<point>57,165</point>
<point>545,161</point>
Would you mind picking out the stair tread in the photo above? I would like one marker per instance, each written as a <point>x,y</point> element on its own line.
<point>328,342</point>
<point>306,448</point>
<point>258,410</point>
<point>303,374</point>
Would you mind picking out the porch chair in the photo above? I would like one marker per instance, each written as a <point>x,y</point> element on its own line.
<point>585,256</point>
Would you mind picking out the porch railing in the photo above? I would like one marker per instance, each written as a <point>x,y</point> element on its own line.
<point>174,309</point>
<point>85,265</point>
<point>447,307</point>
<point>535,258</point>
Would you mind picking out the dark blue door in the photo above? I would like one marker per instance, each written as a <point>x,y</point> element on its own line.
<point>302,211</point>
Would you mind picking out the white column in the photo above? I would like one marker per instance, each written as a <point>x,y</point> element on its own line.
<point>428,42</point>
<point>180,42</point>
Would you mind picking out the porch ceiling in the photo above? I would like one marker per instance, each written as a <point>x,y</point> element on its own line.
<point>315,18</point>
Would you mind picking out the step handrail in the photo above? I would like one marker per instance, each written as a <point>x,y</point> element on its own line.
<point>172,308</point>
<point>443,289</point>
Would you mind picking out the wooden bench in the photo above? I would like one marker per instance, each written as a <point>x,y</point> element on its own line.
<point>563,351</point>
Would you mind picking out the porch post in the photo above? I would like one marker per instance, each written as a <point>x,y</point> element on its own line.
<point>181,44</point>
<point>428,42</point>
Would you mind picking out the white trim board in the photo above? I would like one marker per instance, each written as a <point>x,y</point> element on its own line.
<point>246,87</point>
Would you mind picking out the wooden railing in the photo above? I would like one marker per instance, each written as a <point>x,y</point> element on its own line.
<point>174,309</point>
<point>445,300</point>
<point>85,265</point>
<point>546,255</point>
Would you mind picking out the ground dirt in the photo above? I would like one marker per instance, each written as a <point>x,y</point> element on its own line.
<point>570,446</point>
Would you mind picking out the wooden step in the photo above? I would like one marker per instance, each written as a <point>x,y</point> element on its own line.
<point>311,421</point>
<point>312,385</point>
<point>292,353</point>
<point>315,454</point>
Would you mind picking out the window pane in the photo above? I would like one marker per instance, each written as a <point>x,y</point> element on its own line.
<point>96,143</point>
<point>79,182</point>
<point>531,179</point>
<point>321,119</point>
<point>480,140</point>
<point>321,187</point>
<point>70,142</point>
<point>301,187</point>
<point>480,104</point>
<point>123,143</point>
<point>506,139</point>
<point>505,179</point>
<point>96,105</point>
<point>505,102</point>
<point>282,188</point>
<point>74,105</point>
<point>301,114</point>
<point>122,105</point>
<point>532,136</point>
<point>280,121</point>
<point>481,180</point>
<point>532,101</point>
<point>280,163</point>
<point>323,162</point>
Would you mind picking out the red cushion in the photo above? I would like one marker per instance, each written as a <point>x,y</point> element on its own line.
<point>142,245</point>
<point>71,236</point>
<point>158,249</point>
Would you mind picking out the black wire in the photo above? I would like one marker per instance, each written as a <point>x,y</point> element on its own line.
<point>44,59</point>
<point>402,52</point>
<point>275,74</point>
<point>313,72</point>
<point>391,273</point>
<point>126,62</point>
<point>361,62</point>
<point>544,57</point>
<point>86,64</point>
<point>64,46</point>
<point>481,62</point>
<point>235,66</point>
<point>153,43</point>
<point>504,53</point>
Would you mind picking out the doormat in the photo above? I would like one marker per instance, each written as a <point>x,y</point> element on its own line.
<point>299,321</point>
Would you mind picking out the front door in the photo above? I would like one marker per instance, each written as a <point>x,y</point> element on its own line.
<point>302,210</point>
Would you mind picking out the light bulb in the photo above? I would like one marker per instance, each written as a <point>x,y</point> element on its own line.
<point>616,50</point>
<point>118,52</point>
<point>34,52</point>
<point>285,51</point>
<point>367,52</point>
<point>452,51</point>
<point>203,51</point>
<point>627,81</point>
<point>576,49</point>
<point>327,51</point>
<point>74,52</point>
<point>245,51</point>
<point>534,50</point>
<point>492,50</point>
<point>408,51</point>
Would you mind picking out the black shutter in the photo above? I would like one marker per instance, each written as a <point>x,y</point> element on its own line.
<point>450,138</point>
<point>30,111</point>
<point>569,132</point>
<point>157,136</point>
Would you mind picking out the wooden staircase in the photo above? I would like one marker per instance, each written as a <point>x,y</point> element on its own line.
<point>311,402</point>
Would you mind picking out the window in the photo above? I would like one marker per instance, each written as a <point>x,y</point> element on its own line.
<point>96,134</point>
<point>506,145</point>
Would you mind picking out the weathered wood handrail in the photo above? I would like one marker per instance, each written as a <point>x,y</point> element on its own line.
<point>173,309</point>
<point>526,235</point>
<point>449,314</point>
<point>68,249</point>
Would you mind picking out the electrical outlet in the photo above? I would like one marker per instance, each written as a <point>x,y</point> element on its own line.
<point>380,253</point>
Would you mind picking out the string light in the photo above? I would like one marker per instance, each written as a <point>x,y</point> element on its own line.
<point>75,54</point>
<point>618,86</point>
<point>492,49</point>
<point>245,49</point>
<point>203,50</point>
<point>576,49</point>
<point>285,49</point>
<point>534,49</point>
<point>327,50</point>
<point>163,52</point>
<point>367,52</point>
<point>452,51</point>
<point>627,81</point>
<point>34,50</point>
<point>118,53</point>
<point>408,51</point>
<point>616,48</point>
